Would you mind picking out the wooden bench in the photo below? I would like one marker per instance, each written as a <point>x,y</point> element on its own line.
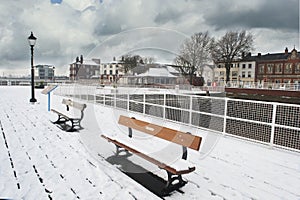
<point>74,114</point>
<point>177,167</point>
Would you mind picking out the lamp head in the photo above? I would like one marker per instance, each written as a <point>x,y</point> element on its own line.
<point>31,39</point>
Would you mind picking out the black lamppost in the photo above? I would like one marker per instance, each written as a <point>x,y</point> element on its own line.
<point>32,40</point>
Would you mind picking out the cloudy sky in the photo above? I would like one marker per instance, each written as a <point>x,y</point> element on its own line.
<point>106,28</point>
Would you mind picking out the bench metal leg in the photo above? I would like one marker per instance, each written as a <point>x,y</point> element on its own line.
<point>60,120</point>
<point>171,186</point>
<point>74,123</point>
<point>120,149</point>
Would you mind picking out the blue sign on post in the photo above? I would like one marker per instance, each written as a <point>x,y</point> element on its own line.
<point>48,91</point>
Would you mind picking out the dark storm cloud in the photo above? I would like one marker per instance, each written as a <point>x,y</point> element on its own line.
<point>275,14</point>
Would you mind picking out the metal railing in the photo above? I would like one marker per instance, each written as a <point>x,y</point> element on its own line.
<point>271,123</point>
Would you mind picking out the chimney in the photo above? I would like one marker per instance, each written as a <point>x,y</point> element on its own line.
<point>286,51</point>
<point>259,54</point>
<point>81,59</point>
<point>77,59</point>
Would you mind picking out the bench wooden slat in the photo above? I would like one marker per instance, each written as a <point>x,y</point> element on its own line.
<point>178,137</point>
<point>64,115</point>
<point>77,105</point>
<point>150,159</point>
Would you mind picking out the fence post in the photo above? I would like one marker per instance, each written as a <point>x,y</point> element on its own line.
<point>128,103</point>
<point>164,106</point>
<point>144,103</point>
<point>273,124</point>
<point>115,98</point>
<point>225,116</point>
<point>190,110</point>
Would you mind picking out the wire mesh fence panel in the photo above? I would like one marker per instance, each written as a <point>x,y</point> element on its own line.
<point>256,111</point>
<point>90,97</point>
<point>121,104</point>
<point>136,107</point>
<point>157,111</point>
<point>136,97</point>
<point>288,115</point>
<point>177,115</point>
<point>155,99</point>
<point>122,96</point>
<point>250,130</point>
<point>109,100</point>
<point>99,99</point>
<point>209,105</point>
<point>207,121</point>
<point>287,137</point>
<point>178,101</point>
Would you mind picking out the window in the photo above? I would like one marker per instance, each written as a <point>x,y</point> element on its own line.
<point>278,68</point>
<point>250,66</point>
<point>243,74</point>
<point>244,66</point>
<point>288,68</point>
<point>249,74</point>
<point>104,72</point>
<point>110,72</point>
<point>270,68</point>
<point>117,72</point>
<point>297,68</point>
<point>261,68</point>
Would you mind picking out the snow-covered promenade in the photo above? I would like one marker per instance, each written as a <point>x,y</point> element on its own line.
<point>40,161</point>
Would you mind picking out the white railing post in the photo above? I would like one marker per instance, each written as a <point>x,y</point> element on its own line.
<point>115,98</point>
<point>273,124</point>
<point>128,103</point>
<point>225,116</point>
<point>144,103</point>
<point>164,106</point>
<point>190,110</point>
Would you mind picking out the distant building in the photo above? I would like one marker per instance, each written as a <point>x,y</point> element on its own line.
<point>111,71</point>
<point>220,72</point>
<point>44,72</point>
<point>153,74</point>
<point>279,67</point>
<point>269,68</point>
<point>84,69</point>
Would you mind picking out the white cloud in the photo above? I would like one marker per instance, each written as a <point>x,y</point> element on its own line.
<point>74,27</point>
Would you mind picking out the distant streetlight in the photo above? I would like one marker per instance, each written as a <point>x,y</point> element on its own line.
<point>32,40</point>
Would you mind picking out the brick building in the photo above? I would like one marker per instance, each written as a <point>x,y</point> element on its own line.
<point>278,67</point>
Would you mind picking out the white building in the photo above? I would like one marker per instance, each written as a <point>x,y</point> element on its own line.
<point>44,72</point>
<point>153,74</point>
<point>111,71</point>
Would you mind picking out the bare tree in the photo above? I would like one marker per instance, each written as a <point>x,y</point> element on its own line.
<point>230,47</point>
<point>193,54</point>
<point>148,60</point>
<point>131,61</point>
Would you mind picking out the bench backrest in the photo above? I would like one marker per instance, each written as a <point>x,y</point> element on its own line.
<point>178,137</point>
<point>69,102</point>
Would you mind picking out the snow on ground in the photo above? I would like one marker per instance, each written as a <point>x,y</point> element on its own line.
<point>40,161</point>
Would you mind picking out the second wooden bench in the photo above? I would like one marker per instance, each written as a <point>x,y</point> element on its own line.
<point>175,169</point>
